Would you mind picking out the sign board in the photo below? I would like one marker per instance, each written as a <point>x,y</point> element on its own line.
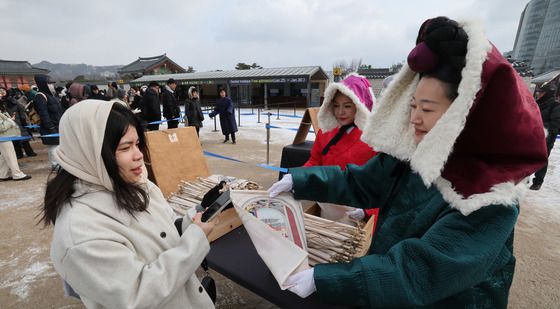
<point>337,71</point>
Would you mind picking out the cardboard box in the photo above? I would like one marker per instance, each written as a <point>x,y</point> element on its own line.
<point>368,228</point>
<point>175,155</point>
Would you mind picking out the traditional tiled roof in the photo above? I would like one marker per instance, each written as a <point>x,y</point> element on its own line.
<point>10,67</point>
<point>375,73</point>
<point>143,64</point>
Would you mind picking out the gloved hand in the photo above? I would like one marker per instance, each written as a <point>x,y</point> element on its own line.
<point>356,214</point>
<point>283,185</point>
<point>302,283</point>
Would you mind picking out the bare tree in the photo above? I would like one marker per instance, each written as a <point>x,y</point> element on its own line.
<point>348,67</point>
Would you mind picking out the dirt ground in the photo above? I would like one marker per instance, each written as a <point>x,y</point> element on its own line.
<point>28,280</point>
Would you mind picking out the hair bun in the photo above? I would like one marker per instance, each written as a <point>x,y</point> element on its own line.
<point>448,43</point>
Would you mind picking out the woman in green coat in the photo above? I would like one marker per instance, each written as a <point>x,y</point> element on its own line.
<point>458,134</point>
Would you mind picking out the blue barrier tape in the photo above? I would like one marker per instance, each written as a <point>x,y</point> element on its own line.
<point>14,138</point>
<point>247,114</point>
<point>270,167</point>
<point>50,135</point>
<point>32,126</point>
<point>163,121</point>
<point>291,116</point>
<point>269,126</point>
<point>215,155</point>
<point>24,138</point>
<point>274,168</point>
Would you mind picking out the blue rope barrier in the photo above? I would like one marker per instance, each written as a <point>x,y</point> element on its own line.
<point>163,121</point>
<point>291,116</point>
<point>24,138</point>
<point>215,155</point>
<point>270,167</point>
<point>269,126</point>
<point>274,168</point>
<point>14,138</point>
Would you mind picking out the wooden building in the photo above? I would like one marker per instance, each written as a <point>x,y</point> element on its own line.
<point>151,66</point>
<point>15,74</point>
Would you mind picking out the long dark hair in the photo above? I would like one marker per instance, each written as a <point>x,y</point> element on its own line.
<point>129,197</point>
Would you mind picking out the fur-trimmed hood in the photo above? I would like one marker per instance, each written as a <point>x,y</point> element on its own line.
<point>358,89</point>
<point>483,147</point>
<point>191,89</point>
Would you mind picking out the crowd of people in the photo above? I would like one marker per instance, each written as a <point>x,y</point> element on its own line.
<point>41,106</point>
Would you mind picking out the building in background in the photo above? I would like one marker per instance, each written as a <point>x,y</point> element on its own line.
<point>151,66</point>
<point>286,87</point>
<point>538,36</point>
<point>376,77</point>
<point>14,74</point>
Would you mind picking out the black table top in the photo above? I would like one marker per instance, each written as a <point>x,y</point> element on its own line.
<point>234,256</point>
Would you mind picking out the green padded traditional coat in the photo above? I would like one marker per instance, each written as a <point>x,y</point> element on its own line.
<point>424,253</point>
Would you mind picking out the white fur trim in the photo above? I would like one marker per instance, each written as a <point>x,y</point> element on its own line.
<point>326,118</point>
<point>506,193</point>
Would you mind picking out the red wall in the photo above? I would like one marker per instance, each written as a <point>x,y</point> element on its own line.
<point>8,81</point>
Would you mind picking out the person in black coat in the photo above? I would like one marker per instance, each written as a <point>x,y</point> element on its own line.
<point>193,110</point>
<point>150,102</point>
<point>96,94</point>
<point>171,108</point>
<point>224,107</point>
<point>50,111</point>
<point>550,113</point>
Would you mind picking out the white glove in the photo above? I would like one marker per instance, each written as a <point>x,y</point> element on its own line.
<point>302,284</point>
<point>283,185</point>
<point>356,214</point>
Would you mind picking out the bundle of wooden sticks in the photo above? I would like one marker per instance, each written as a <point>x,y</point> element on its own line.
<point>190,193</point>
<point>330,242</point>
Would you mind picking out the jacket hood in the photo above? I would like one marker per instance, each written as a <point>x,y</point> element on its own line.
<point>42,82</point>
<point>358,89</point>
<point>483,147</point>
<point>82,129</point>
<point>191,89</point>
<point>77,92</point>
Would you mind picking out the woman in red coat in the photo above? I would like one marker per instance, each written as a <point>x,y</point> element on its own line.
<point>342,116</point>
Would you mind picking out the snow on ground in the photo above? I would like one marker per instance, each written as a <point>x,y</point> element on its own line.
<point>19,280</point>
<point>547,199</point>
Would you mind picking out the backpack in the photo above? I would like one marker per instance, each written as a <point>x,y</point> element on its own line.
<point>32,113</point>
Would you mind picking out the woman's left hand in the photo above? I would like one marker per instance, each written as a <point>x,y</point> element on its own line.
<point>206,227</point>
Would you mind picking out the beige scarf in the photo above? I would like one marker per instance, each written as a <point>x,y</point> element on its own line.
<point>82,128</point>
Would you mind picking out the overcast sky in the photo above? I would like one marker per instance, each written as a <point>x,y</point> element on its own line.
<point>212,34</point>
